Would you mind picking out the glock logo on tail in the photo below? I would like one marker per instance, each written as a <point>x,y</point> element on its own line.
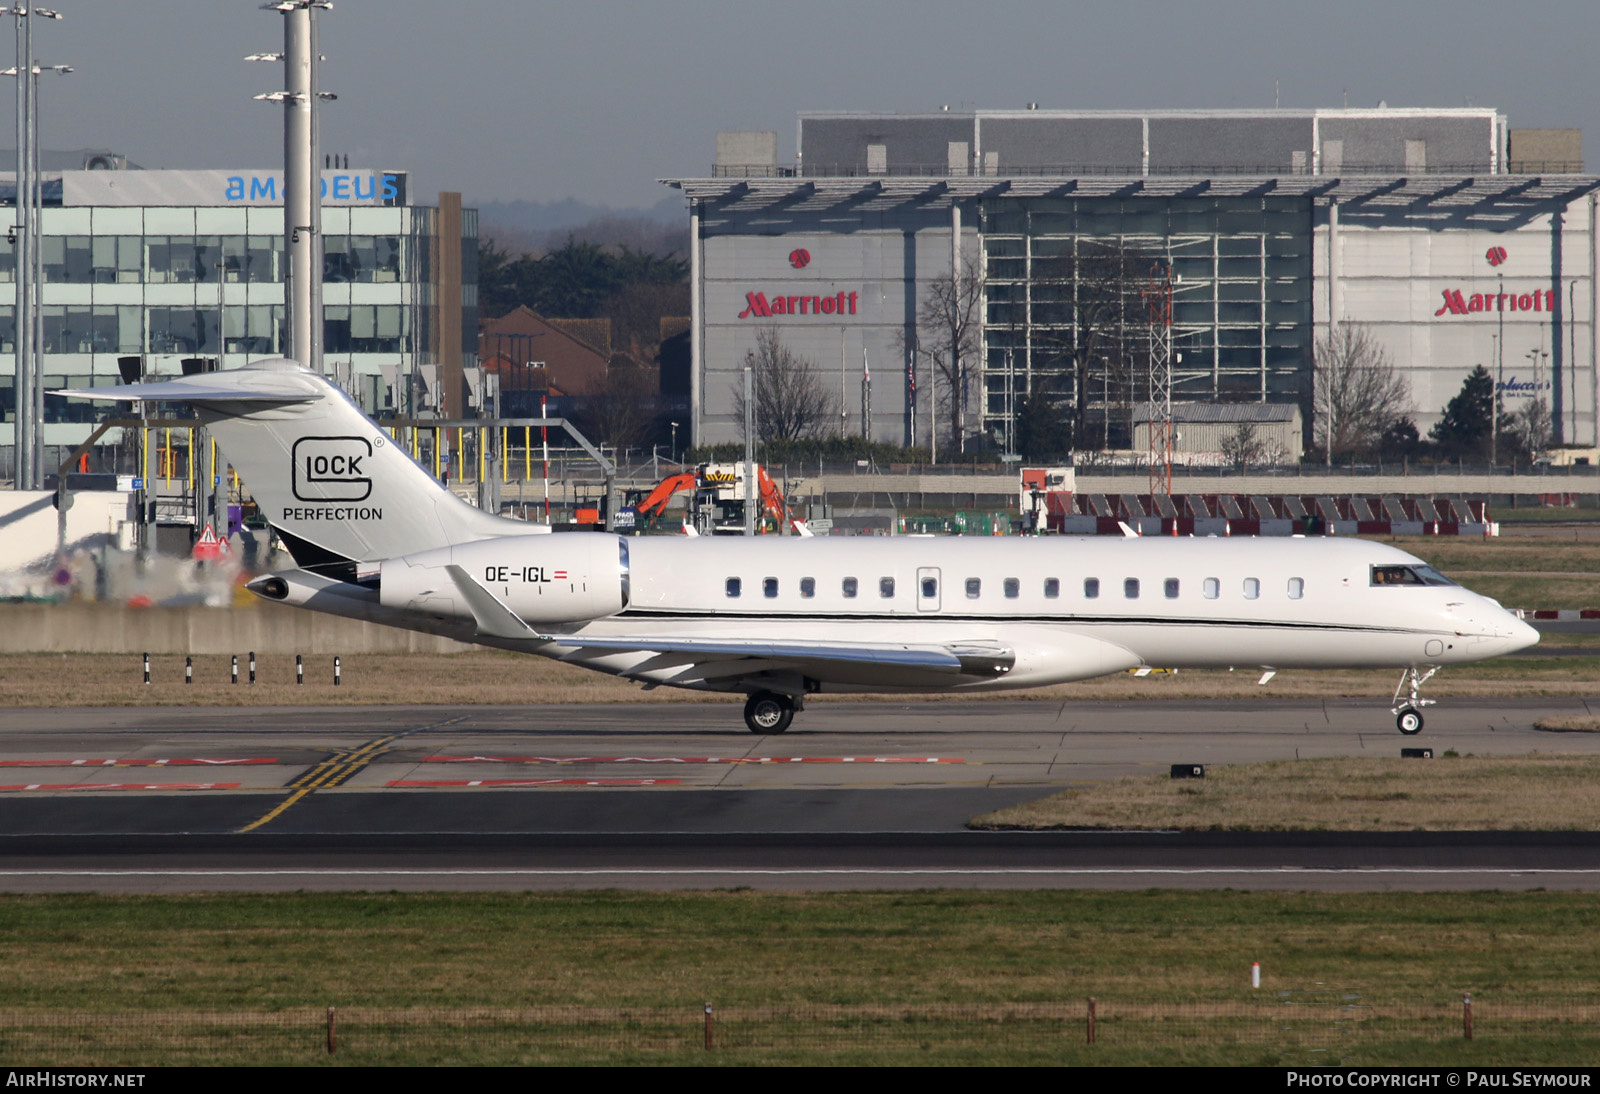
<point>331,468</point>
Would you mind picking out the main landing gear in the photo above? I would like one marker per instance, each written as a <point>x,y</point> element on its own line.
<point>1408,712</point>
<point>769,712</point>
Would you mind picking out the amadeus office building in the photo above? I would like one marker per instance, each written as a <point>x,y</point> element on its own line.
<point>1455,239</point>
<point>169,265</point>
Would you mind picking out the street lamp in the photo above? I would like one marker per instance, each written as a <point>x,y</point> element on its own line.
<point>674,442</point>
<point>1499,368</point>
<point>1494,402</point>
<point>29,437</point>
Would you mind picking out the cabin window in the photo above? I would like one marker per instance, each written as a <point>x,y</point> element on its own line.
<point>1170,588</point>
<point>974,588</point>
<point>886,587</point>
<point>808,587</point>
<point>769,587</point>
<point>1091,588</point>
<point>848,587</point>
<point>1052,587</point>
<point>733,586</point>
<point>1252,588</point>
<point>1211,588</point>
<point>1297,588</point>
<point>930,588</point>
<point>1013,588</point>
<point>1130,588</point>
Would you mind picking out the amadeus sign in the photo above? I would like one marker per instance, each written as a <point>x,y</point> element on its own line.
<point>189,188</point>
<point>336,187</point>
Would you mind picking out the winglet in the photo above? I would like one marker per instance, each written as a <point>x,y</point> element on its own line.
<point>494,619</point>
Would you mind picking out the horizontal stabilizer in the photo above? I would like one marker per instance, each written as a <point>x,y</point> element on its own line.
<point>238,386</point>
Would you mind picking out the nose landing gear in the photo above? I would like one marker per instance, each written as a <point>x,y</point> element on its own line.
<point>1408,712</point>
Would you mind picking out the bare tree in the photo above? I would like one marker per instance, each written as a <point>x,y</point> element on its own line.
<point>1090,313</point>
<point>1358,393</point>
<point>636,311</point>
<point>791,401</point>
<point>1531,429</point>
<point>620,409</point>
<point>948,320</point>
<point>1241,446</point>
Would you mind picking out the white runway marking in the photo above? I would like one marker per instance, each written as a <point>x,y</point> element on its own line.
<point>825,871</point>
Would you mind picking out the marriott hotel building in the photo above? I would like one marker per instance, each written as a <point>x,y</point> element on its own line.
<point>1457,240</point>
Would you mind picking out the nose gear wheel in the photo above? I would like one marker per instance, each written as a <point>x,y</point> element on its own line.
<point>1408,712</point>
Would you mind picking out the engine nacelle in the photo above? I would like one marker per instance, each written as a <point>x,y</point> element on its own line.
<point>564,578</point>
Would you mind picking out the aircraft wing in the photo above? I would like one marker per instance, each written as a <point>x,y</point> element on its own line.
<point>974,658</point>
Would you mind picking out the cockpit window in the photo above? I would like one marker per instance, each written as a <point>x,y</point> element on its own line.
<point>1408,575</point>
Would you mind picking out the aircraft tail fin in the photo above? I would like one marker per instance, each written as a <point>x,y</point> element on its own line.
<point>338,489</point>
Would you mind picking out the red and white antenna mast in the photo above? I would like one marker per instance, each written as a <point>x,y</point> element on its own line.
<point>1158,299</point>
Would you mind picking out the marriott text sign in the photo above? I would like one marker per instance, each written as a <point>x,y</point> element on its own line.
<point>758,305</point>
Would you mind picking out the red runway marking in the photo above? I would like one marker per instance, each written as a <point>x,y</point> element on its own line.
<point>121,786</point>
<point>691,760</point>
<point>186,761</point>
<point>534,782</point>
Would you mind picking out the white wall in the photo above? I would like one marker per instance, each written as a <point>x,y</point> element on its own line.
<point>28,525</point>
<point>1396,280</point>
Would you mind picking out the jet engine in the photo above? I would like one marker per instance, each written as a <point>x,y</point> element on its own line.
<point>544,579</point>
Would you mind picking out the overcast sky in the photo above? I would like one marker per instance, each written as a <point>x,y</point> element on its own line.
<point>506,99</point>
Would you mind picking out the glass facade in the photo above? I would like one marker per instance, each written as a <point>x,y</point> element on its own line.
<point>169,283</point>
<point>1068,291</point>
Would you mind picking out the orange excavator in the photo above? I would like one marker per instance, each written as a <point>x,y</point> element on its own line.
<point>719,499</point>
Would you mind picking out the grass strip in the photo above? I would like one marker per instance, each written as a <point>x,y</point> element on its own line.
<point>1361,794</point>
<point>940,977</point>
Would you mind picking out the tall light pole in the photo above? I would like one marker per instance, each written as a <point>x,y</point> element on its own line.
<point>750,491</point>
<point>29,389</point>
<point>1499,371</point>
<point>1494,407</point>
<point>302,197</point>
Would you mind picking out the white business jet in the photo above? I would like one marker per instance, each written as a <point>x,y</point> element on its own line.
<point>375,537</point>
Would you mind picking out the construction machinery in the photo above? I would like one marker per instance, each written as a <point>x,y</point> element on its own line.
<point>718,499</point>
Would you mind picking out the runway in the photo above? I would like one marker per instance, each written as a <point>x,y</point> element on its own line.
<point>678,795</point>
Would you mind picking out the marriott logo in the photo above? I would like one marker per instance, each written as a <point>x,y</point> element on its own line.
<point>1457,302</point>
<point>758,305</point>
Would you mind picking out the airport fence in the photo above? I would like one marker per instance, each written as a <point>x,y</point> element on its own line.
<point>1295,1028</point>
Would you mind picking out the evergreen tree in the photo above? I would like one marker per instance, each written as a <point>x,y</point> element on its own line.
<point>1042,431</point>
<point>1465,428</point>
<point>1401,439</point>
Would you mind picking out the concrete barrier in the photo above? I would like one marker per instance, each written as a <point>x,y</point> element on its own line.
<point>264,627</point>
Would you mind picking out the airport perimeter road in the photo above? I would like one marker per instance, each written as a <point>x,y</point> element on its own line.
<point>857,795</point>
